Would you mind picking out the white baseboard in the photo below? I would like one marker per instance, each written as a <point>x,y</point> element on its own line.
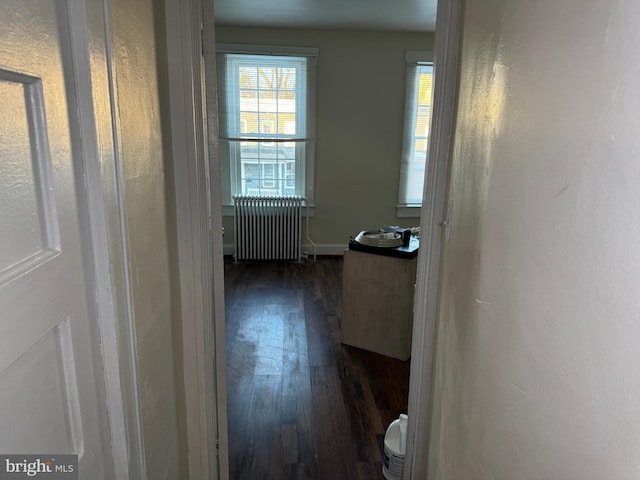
<point>321,249</point>
<point>325,249</point>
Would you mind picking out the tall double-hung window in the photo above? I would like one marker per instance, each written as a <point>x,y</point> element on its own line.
<point>417,116</point>
<point>267,120</point>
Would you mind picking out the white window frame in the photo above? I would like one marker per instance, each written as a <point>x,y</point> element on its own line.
<point>408,164</point>
<point>305,139</point>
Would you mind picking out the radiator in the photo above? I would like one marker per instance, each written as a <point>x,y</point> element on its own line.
<point>268,228</point>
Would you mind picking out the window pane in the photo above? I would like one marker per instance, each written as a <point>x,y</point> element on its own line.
<point>268,175</point>
<point>265,108</point>
<point>268,111</point>
<point>248,122</point>
<point>286,102</point>
<point>266,77</point>
<point>287,79</point>
<point>268,100</point>
<point>248,77</point>
<point>414,154</point>
<point>268,124</point>
<point>422,122</point>
<point>421,148</point>
<point>425,84</point>
<point>268,168</point>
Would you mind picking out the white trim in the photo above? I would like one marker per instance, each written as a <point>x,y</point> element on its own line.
<point>205,403</point>
<point>209,86</point>
<point>92,218</point>
<point>267,50</point>
<point>101,182</point>
<point>114,186</point>
<point>434,199</point>
<point>404,211</point>
<point>325,249</point>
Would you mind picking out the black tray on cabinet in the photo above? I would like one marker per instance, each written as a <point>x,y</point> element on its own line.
<point>403,251</point>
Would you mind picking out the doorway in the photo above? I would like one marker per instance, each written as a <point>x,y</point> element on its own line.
<point>421,380</point>
<point>426,297</point>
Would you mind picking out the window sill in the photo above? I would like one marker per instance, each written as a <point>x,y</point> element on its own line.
<point>404,211</point>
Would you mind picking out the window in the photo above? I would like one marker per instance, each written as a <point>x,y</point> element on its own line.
<point>416,131</point>
<point>267,120</point>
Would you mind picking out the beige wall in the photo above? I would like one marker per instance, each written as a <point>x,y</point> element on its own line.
<point>359,124</point>
<point>539,327</point>
<point>142,148</point>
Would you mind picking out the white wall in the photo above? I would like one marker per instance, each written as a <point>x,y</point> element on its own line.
<point>538,352</point>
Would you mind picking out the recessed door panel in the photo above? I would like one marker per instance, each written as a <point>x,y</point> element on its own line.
<point>28,216</point>
<point>42,382</point>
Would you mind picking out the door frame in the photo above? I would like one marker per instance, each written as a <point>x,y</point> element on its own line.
<point>99,180</point>
<point>191,52</point>
<point>190,36</point>
<point>435,220</point>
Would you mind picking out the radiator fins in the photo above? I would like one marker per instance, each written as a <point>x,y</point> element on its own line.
<point>268,228</point>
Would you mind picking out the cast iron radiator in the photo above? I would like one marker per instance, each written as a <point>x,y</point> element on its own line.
<point>268,228</point>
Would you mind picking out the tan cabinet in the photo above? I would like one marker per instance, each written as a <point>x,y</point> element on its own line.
<point>377,303</point>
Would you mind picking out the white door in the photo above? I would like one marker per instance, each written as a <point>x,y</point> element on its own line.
<point>51,385</point>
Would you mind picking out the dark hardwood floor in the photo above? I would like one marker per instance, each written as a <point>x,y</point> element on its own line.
<point>301,405</point>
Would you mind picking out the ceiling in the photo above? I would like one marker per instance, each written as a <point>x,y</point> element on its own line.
<point>384,15</point>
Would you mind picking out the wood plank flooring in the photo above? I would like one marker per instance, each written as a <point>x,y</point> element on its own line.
<point>301,405</point>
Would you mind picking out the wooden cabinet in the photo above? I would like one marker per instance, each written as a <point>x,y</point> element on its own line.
<point>377,303</point>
